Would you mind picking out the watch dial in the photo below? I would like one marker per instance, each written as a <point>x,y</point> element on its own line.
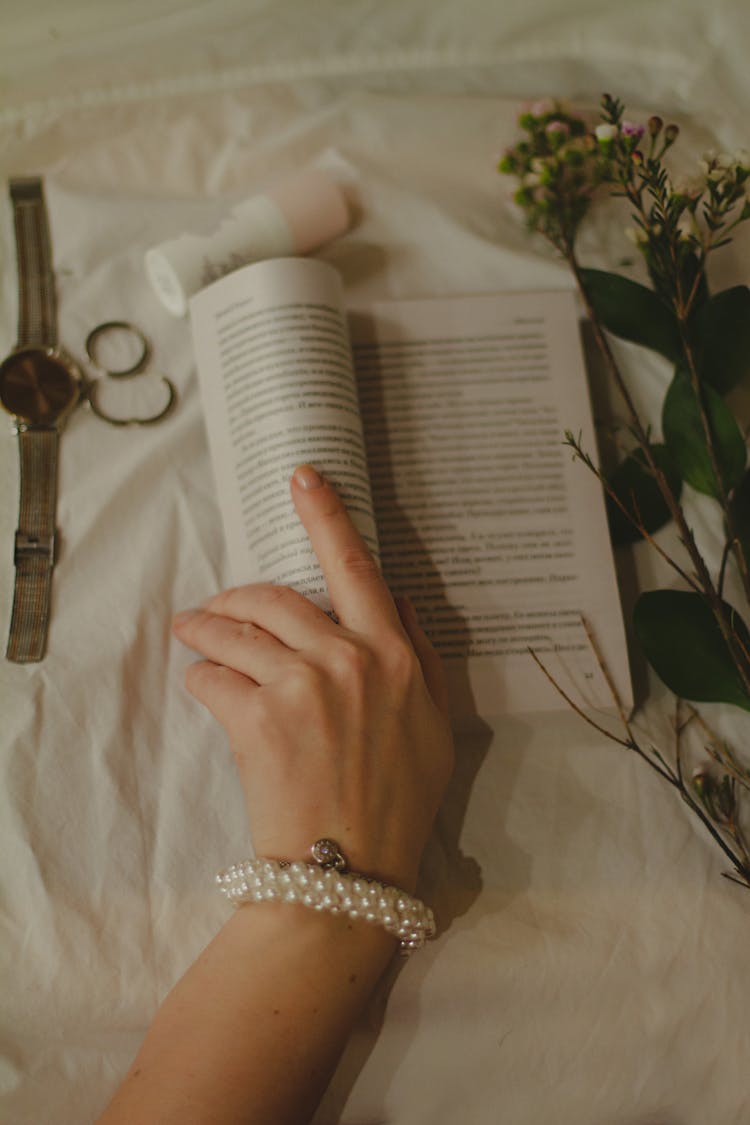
<point>37,387</point>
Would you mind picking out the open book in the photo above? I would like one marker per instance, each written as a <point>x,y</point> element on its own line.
<point>441,424</point>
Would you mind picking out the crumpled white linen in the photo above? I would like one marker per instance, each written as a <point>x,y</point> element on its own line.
<point>591,963</point>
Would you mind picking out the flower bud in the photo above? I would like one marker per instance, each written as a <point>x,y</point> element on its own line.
<point>702,782</point>
<point>522,197</point>
<point>718,796</point>
<point>655,125</point>
<point>542,107</point>
<point>670,134</point>
<point>557,131</point>
<point>726,798</point>
<point>605,133</point>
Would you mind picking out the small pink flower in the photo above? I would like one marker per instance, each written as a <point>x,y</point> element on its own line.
<point>632,129</point>
<point>560,128</point>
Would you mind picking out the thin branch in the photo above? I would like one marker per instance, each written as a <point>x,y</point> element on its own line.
<point>634,519</point>
<point>574,706</point>
<point>722,567</point>
<point>629,744</point>
<point>679,728</point>
<point>608,678</point>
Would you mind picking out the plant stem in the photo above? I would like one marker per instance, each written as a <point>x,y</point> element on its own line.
<point>686,536</point>
<point>722,497</point>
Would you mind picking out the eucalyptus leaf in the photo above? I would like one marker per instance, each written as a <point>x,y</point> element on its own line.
<point>685,647</point>
<point>685,439</point>
<point>636,488</point>
<point>722,334</point>
<point>633,312</point>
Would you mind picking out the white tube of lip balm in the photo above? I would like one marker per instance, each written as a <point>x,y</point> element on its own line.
<point>295,215</point>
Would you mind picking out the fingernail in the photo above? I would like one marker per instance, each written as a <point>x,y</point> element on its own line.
<point>307,477</point>
<point>184,617</point>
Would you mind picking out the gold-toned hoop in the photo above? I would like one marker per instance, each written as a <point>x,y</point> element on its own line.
<point>148,421</point>
<point>95,335</point>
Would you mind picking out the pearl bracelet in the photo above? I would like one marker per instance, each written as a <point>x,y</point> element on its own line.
<point>327,885</point>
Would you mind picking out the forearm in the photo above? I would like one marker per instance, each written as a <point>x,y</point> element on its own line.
<point>253,1031</point>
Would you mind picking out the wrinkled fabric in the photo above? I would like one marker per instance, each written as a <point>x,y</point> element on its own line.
<point>591,963</point>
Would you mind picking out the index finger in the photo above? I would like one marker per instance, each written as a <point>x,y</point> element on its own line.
<point>358,590</point>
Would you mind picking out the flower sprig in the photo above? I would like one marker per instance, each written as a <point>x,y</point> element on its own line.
<point>677,224</point>
<point>694,639</point>
<point>558,165</point>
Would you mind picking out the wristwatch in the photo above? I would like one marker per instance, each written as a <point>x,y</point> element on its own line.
<point>39,386</point>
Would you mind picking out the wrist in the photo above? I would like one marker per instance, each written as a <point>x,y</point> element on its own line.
<point>330,944</point>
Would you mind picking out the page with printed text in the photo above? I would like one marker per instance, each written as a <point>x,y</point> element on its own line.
<point>278,388</point>
<point>499,538</point>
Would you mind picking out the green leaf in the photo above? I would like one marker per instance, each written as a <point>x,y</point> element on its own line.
<point>683,434</point>
<point>636,488</point>
<point>685,647</point>
<point>633,312</point>
<point>722,333</point>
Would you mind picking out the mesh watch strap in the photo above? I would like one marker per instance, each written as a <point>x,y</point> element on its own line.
<point>37,305</point>
<point>37,328</point>
<point>35,545</point>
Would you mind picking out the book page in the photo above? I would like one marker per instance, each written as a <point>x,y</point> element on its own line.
<point>278,389</point>
<point>484,520</point>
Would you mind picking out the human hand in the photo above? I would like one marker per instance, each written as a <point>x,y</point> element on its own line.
<point>338,730</point>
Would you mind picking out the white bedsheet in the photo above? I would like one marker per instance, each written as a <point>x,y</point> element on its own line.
<point>592,965</point>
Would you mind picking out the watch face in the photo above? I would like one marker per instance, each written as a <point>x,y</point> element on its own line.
<point>37,386</point>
